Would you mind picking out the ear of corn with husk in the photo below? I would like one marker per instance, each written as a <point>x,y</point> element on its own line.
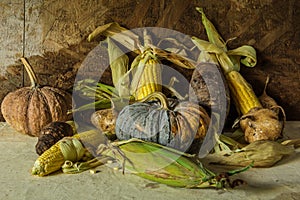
<point>165,165</point>
<point>146,75</point>
<point>119,64</point>
<point>68,149</point>
<point>244,98</point>
<point>216,50</point>
<point>145,69</point>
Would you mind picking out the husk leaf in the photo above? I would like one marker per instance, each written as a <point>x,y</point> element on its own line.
<point>229,59</point>
<point>125,37</point>
<point>262,153</point>
<point>119,66</point>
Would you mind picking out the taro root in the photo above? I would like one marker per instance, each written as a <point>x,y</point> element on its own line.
<point>105,120</point>
<point>261,124</point>
<point>29,109</point>
<point>51,134</point>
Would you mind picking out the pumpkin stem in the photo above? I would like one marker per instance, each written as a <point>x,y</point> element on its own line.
<point>160,96</point>
<point>31,74</point>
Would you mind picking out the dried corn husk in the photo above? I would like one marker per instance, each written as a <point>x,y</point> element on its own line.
<point>119,63</point>
<point>119,33</point>
<point>262,153</point>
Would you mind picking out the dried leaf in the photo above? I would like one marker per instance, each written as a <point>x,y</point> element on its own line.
<point>294,142</point>
<point>175,58</point>
<point>216,53</point>
<point>124,36</point>
<point>262,153</point>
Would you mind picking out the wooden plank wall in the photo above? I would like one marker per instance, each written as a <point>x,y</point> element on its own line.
<point>56,31</point>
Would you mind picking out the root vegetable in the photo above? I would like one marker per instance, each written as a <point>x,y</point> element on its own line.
<point>261,124</point>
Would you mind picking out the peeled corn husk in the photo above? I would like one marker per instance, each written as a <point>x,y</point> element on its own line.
<point>262,153</point>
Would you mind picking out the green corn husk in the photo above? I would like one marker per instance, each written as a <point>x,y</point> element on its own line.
<point>165,165</point>
<point>216,51</point>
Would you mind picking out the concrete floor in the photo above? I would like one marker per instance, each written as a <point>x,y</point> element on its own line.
<point>17,156</point>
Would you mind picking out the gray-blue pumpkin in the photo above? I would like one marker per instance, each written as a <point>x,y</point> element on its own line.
<point>156,121</point>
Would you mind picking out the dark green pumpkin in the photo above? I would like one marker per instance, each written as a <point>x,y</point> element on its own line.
<point>156,121</point>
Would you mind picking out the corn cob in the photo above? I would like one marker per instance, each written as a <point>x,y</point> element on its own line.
<point>168,166</point>
<point>53,158</point>
<point>242,93</point>
<point>150,80</point>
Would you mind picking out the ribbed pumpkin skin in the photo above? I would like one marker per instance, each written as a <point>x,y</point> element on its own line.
<point>29,109</point>
<point>176,128</point>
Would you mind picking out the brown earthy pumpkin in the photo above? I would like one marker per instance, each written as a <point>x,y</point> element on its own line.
<point>29,109</point>
<point>177,126</point>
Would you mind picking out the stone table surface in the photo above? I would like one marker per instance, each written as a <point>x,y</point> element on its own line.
<point>17,155</point>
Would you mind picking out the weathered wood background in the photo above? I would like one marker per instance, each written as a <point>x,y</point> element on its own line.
<point>56,31</point>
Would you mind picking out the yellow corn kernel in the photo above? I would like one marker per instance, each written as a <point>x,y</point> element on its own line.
<point>242,92</point>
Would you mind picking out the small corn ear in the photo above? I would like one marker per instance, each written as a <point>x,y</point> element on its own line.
<point>50,161</point>
<point>66,149</point>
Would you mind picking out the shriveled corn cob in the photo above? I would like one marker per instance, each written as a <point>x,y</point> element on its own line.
<point>242,92</point>
<point>150,80</point>
<point>53,158</point>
